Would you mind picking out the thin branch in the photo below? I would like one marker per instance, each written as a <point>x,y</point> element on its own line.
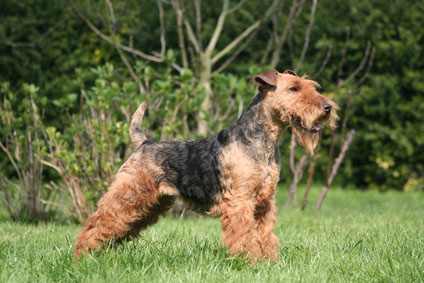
<point>124,5</point>
<point>192,37</point>
<point>292,148</point>
<point>98,14</point>
<point>111,41</point>
<point>236,41</point>
<point>361,64</point>
<point>334,169</point>
<point>54,166</point>
<point>370,63</point>
<point>121,54</point>
<point>346,117</point>
<point>181,43</point>
<point>12,160</point>
<point>271,38</point>
<point>290,35</point>
<point>218,28</point>
<point>292,197</point>
<point>130,69</point>
<point>349,97</point>
<point>244,34</point>
<point>112,17</point>
<point>343,61</point>
<point>330,153</point>
<point>324,63</point>
<point>193,59</point>
<point>234,55</point>
<point>307,36</point>
<point>282,39</point>
<point>300,8</point>
<point>162,29</point>
<point>236,7</point>
<point>198,7</point>
<point>311,173</point>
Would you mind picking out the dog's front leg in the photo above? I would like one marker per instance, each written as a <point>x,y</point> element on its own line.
<point>240,233</point>
<point>265,214</point>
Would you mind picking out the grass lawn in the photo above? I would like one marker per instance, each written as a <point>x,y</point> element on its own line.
<point>358,236</point>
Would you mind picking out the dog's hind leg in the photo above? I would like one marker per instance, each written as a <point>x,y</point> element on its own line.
<point>131,204</point>
<point>152,216</point>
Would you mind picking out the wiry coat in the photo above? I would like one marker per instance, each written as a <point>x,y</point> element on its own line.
<point>232,174</point>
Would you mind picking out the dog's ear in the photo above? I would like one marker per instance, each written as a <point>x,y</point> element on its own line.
<point>290,72</point>
<point>266,81</point>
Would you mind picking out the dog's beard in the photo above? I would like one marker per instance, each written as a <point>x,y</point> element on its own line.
<point>307,139</point>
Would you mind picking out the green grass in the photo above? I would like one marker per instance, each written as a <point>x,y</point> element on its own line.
<point>358,236</point>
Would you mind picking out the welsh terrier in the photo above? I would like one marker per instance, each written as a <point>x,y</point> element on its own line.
<point>232,174</point>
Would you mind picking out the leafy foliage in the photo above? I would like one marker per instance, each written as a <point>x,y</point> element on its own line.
<point>23,144</point>
<point>84,104</point>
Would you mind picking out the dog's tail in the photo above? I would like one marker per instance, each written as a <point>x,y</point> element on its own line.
<point>136,134</point>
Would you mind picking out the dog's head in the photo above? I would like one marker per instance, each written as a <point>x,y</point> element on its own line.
<point>293,100</point>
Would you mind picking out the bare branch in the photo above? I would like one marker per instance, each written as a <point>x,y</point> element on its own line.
<point>162,29</point>
<point>121,54</point>
<point>349,97</point>
<point>346,117</point>
<point>342,62</point>
<point>130,69</point>
<point>198,7</point>
<point>299,8</point>
<point>112,17</point>
<point>99,15</point>
<point>361,65</point>
<point>111,41</point>
<point>292,148</point>
<point>281,40</point>
<point>311,173</point>
<point>12,160</point>
<point>236,7</point>
<point>234,55</point>
<point>124,5</point>
<point>307,36</point>
<point>181,43</point>
<point>324,63</point>
<point>192,37</point>
<point>296,178</point>
<point>273,36</point>
<point>193,59</point>
<point>330,153</point>
<point>334,169</point>
<point>244,34</point>
<point>218,28</point>
<point>236,41</point>
<point>370,63</point>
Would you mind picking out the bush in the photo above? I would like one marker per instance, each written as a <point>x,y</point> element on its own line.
<point>22,190</point>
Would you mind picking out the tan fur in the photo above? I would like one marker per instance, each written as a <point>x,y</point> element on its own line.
<point>281,106</point>
<point>132,202</point>
<point>246,205</point>
<point>137,137</point>
<point>247,208</point>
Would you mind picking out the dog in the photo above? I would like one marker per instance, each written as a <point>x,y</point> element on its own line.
<point>232,174</point>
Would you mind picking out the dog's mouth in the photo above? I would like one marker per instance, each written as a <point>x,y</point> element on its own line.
<point>315,128</point>
<point>307,132</point>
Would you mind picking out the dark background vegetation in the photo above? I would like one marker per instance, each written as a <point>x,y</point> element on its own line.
<point>72,92</point>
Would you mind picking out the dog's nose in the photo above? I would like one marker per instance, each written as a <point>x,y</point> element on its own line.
<point>326,107</point>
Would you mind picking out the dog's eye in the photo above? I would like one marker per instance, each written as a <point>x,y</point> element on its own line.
<point>293,89</point>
